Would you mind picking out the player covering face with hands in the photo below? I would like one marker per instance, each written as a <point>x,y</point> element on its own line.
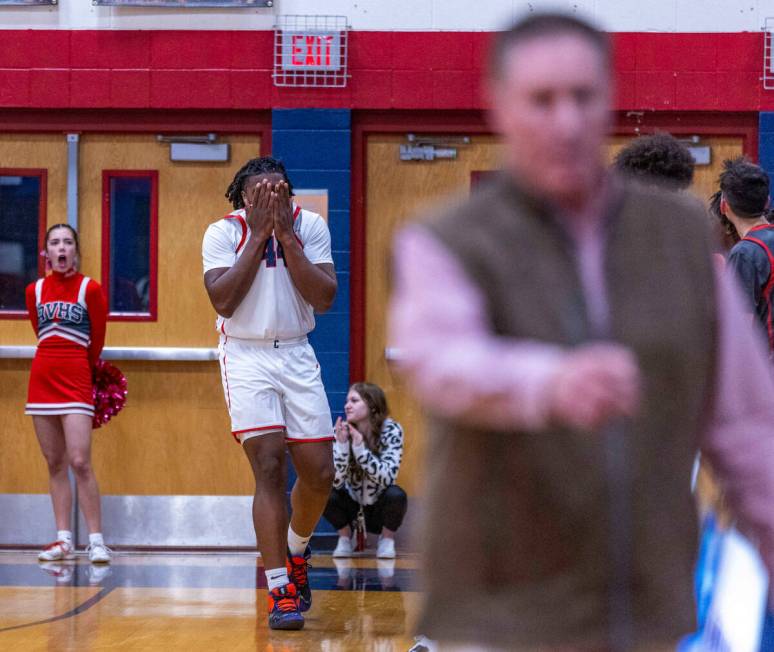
<point>267,269</point>
<point>269,209</point>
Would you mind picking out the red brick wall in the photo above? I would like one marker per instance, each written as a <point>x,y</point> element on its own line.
<point>389,70</point>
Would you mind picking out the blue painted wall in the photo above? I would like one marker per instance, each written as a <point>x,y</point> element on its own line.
<point>315,146</point>
<point>766,142</point>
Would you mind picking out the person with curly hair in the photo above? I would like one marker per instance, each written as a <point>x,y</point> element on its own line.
<point>267,269</point>
<point>657,159</point>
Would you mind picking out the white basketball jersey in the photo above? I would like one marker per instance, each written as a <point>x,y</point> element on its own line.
<point>272,308</point>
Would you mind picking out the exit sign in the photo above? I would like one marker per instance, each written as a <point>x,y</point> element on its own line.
<point>311,51</point>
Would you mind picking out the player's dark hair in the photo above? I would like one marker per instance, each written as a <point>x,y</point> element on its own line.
<point>254,167</point>
<point>64,226</point>
<point>659,159</point>
<point>745,186</point>
<point>374,398</point>
<point>729,236</point>
<point>539,25</point>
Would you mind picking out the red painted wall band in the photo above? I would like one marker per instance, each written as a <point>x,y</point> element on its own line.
<point>97,69</point>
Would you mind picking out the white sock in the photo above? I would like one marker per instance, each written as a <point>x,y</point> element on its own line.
<point>95,539</point>
<point>297,544</point>
<point>65,535</point>
<point>276,577</point>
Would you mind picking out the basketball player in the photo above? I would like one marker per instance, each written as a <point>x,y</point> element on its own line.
<point>744,201</point>
<point>267,268</point>
<point>657,159</point>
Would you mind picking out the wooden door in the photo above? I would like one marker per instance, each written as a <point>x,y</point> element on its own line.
<point>396,191</point>
<point>22,469</point>
<point>173,437</point>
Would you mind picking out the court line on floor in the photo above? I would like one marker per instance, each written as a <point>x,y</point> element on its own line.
<point>85,606</point>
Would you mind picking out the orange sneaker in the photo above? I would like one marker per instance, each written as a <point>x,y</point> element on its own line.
<point>298,566</point>
<point>283,608</point>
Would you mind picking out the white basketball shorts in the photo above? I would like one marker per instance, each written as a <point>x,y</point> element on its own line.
<point>274,386</point>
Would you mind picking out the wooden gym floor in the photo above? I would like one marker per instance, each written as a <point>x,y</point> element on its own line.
<point>199,601</point>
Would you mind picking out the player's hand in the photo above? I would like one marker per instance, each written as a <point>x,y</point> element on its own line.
<point>283,214</point>
<point>595,384</point>
<point>259,209</point>
<point>341,431</point>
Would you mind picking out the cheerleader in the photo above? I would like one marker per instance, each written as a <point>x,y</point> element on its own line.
<point>68,314</point>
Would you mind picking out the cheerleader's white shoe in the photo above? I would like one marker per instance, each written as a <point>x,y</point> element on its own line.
<point>57,551</point>
<point>99,553</point>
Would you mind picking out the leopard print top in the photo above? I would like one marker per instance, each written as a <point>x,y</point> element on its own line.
<point>364,473</point>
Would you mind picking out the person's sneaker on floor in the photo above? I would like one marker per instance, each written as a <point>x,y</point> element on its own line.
<point>63,573</point>
<point>99,553</point>
<point>385,549</point>
<point>298,572</point>
<point>343,547</point>
<point>57,551</point>
<point>283,608</point>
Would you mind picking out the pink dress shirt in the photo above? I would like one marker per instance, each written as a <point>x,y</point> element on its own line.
<point>459,369</point>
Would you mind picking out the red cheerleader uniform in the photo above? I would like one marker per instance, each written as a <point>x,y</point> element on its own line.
<point>68,314</point>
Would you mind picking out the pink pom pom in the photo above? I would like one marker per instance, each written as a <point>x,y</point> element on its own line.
<point>109,392</point>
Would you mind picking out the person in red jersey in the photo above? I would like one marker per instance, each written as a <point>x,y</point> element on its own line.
<point>68,314</point>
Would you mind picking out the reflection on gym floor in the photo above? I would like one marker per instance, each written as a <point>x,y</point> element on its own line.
<point>198,601</point>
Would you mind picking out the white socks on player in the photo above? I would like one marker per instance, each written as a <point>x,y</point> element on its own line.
<point>95,539</point>
<point>297,544</point>
<point>276,577</point>
<point>66,536</point>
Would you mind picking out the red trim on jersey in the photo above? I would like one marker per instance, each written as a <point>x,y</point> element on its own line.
<point>291,440</point>
<point>296,213</point>
<point>769,284</point>
<point>225,376</point>
<point>244,229</point>
<point>275,427</point>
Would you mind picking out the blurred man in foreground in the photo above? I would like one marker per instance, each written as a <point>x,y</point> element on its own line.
<point>566,333</point>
